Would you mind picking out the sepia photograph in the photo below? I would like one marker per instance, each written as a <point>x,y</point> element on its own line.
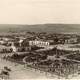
<point>39,39</point>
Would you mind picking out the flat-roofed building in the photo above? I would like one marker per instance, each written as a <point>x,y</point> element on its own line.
<point>39,43</point>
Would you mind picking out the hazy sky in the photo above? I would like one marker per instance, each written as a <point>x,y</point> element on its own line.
<point>39,11</point>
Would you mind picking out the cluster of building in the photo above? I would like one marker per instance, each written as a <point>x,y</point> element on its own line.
<point>20,43</point>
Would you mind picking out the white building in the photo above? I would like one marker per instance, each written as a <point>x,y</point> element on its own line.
<point>39,43</point>
<point>71,40</point>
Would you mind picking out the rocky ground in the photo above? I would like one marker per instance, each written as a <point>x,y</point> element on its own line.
<point>21,72</point>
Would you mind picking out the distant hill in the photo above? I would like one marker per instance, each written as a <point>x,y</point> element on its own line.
<point>50,28</point>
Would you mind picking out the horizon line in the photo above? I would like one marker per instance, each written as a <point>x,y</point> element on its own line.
<point>40,24</point>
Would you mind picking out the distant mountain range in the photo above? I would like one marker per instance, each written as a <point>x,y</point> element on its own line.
<point>50,28</point>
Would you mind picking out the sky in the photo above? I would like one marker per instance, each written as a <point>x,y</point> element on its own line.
<point>39,11</point>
